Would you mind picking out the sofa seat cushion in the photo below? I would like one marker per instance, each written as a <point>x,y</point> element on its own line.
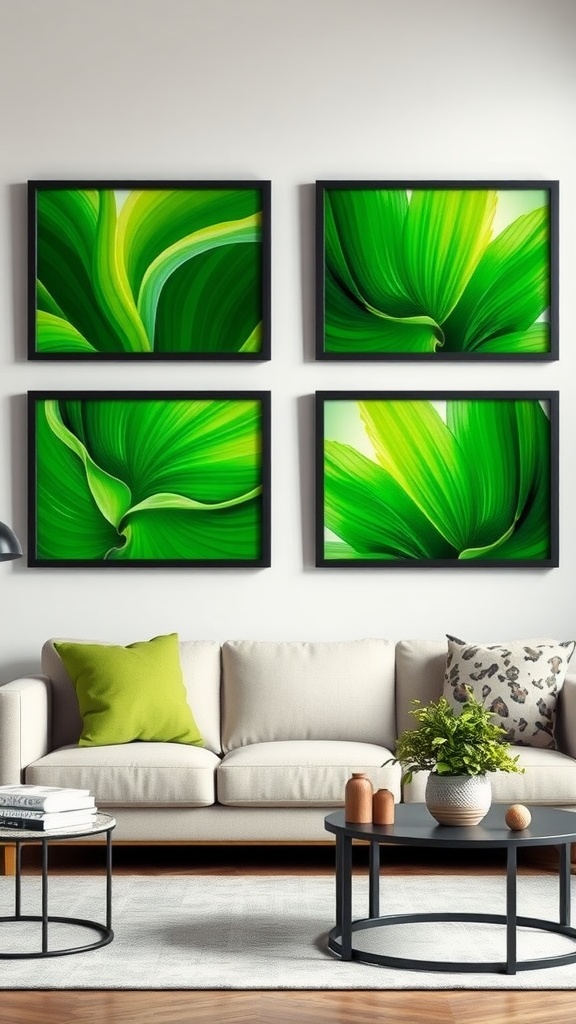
<point>300,773</point>
<point>132,774</point>
<point>550,778</point>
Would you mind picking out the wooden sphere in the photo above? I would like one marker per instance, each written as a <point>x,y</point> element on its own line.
<point>517,817</point>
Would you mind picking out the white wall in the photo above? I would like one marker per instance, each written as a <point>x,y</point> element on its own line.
<point>290,90</point>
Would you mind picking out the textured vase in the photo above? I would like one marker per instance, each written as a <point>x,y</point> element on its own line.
<point>358,795</point>
<point>383,807</point>
<point>458,799</point>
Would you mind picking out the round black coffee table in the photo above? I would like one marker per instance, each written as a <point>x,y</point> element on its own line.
<point>415,827</point>
<point>102,823</point>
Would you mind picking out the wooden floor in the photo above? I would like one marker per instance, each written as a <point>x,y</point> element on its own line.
<point>280,1007</point>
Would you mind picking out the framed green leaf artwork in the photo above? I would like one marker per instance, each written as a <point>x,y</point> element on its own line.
<point>149,270</point>
<point>149,478</point>
<point>428,270</point>
<point>467,479</point>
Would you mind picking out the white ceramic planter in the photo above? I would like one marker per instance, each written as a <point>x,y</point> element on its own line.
<point>458,799</point>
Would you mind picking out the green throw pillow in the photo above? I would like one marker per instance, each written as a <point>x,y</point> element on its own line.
<point>130,693</point>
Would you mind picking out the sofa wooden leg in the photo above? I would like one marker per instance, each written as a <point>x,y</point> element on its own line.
<point>8,859</point>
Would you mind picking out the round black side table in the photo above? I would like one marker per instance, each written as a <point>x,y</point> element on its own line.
<point>415,827</point>
<point>102,823</point>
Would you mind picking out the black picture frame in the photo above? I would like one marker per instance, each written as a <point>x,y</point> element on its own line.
<point>149,270</point>
<point>401,482</point>
<point>437,270</point>
<point>148,479</point>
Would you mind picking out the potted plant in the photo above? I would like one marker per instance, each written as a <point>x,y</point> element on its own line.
<point>459,749</point>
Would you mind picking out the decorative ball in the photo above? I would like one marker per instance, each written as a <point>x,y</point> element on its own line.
<point>517,817</point>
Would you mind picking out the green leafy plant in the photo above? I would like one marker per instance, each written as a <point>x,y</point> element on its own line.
<point>472,484</point>
<point>453,743</point>
<point>436,270</point>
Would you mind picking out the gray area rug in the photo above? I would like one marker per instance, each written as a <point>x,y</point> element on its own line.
<point>194,932</point>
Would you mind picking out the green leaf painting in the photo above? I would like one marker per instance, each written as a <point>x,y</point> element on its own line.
<point>163,270</point>
<point>455,270</point>
<point>457,480</point>
<point>149,479</point>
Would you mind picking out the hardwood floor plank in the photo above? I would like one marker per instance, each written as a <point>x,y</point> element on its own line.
<point>497,1007</point>
<point>224,1007</point>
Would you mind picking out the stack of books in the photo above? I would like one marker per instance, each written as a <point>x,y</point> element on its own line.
<point>40,808</point>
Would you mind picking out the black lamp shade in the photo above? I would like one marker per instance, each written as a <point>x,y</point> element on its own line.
<point>9,544</point>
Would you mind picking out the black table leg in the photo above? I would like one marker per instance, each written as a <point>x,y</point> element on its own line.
<point>109,879</point>
<point>511,910</point>
<point>339,844</point>
<point>17,882</point>
<point>44,896</point>
<point>564,886</point>
<point>374,876</point>
<point>346,898</point>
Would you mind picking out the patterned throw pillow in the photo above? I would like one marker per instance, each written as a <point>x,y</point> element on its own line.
<point>519,682</point>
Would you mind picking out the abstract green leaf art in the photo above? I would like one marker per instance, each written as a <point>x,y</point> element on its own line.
<point>148,479</point>
<point>149,270</point>
<point>465,479</point>
<point>437,270</point>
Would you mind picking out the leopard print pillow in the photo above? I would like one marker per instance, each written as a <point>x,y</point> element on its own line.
<point>519,682</point>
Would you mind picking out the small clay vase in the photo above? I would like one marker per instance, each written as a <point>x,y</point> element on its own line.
<point>358,799</point>
<point>383,807</point>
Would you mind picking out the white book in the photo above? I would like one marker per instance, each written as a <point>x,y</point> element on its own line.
<point>37,812</point>
<point>45,798</point>
<point>45,822</point>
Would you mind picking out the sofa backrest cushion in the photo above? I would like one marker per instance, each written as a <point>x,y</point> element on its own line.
<point>420,667</point>
<point>298,690</point>
<point>200,661</point>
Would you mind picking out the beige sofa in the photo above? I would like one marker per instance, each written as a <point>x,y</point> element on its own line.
<point>284,725</point>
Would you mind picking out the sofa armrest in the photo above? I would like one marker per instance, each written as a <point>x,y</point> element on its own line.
<point>24,725</point>
<point>565,731</point>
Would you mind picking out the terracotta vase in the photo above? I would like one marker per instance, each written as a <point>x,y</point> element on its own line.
<point>383,807</point>
<point>358,799</point>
